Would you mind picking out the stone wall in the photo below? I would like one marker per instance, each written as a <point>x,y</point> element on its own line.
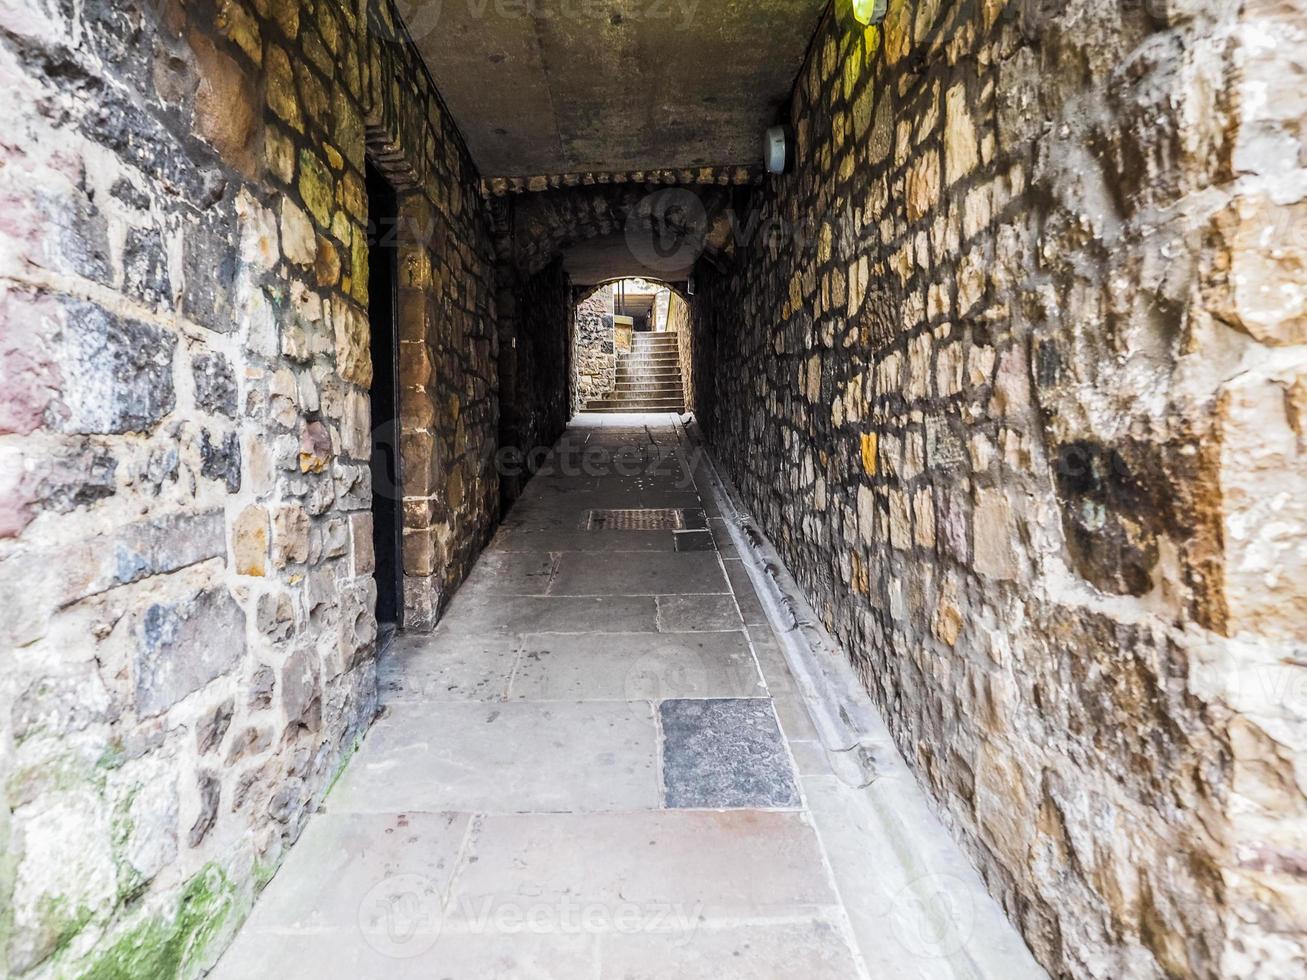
<point>679,322</point>
<point>185,534</point>
<point>593,353</point>
<point>535,366</point>
<point>1011,367</point>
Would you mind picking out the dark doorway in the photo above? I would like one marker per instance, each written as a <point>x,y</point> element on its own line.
<point>387,493</point>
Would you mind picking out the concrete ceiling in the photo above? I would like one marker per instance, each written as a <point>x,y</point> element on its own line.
<point>601,259</point>
<point>571,86</point>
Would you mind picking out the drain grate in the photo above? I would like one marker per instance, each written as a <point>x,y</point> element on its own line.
<point>633,520</point>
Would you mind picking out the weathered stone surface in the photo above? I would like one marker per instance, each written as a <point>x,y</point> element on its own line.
<point>215,384</point>
<point>316,187</point>
<point>249,542</point>
<point>123,370</point>
<point>227,107</point>
<point>212,728</point>
<point>353,357</point>
<point>1074,347</point>
<point>301,693</point>
<point>183,645</point>
<point>220,458</point>
<point>206,191</point>
<point>209,788</point>
<point>298,240</point>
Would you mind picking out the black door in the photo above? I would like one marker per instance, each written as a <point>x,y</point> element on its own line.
<point>387,495</point>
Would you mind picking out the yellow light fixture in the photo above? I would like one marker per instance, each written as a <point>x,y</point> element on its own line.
<point>869,12</point>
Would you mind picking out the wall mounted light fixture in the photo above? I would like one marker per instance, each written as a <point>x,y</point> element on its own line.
<point>866,13</point>
<point>776,149</point>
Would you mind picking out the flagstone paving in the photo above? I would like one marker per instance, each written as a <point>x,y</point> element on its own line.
<point>597,766</point>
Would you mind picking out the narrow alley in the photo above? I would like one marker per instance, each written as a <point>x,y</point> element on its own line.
<point>653,489</point>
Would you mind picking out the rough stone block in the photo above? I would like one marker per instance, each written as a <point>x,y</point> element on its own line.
<point>298,240</point>
<point>250,542</point>
<point>123,372</point>
<point>994,534</point>
<point>183,645</point>
<point>215,384</point>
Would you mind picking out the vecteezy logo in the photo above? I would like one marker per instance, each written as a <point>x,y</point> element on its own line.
<point>400,917</point>
<point>665,231</point>
<point>933,916</point>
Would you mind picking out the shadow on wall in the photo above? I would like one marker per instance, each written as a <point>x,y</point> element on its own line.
<point>535,370</point>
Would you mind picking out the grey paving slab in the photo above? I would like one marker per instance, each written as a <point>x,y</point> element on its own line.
<point>771,660</point>
<point>655,574</point>
<point>402,949</point>
<point>507,757</point>
<point>511,574</point>
<point>343,858</point>
<point>794,717</point>
<point>516,540</point>
<point>444,667</point>
<point>750,608</point>
<point>725,753</point>
<point>687,613</point>
<point>610,749</point>
<point>636,666</point>
<point>725,544</point>
<point>813,950</point>
<point>810,758</point>
<point>483,614</point>
<point>704,866</point>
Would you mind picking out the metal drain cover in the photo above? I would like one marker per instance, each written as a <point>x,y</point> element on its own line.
<point>633,520</point>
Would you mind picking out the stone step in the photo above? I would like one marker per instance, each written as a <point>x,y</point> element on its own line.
<point>648,369</point>
<point>661,405</point>
<point>648,359</point>
<point>645,368</point>
<point>639,388</point>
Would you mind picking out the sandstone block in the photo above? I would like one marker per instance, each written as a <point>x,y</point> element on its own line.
<point>361,548</point>
<point>1257,279</point>
<point>353,356</point>
<point>290,535</point>
<point>298,240</point>
<point>994,547</point>
<point>961,147</point>
<point>250,542</point>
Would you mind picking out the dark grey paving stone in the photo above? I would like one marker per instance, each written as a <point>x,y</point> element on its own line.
<point>725,753</point>
<point>695,541</point>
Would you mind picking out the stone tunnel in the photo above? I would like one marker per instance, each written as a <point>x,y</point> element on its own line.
<point>954,626</point>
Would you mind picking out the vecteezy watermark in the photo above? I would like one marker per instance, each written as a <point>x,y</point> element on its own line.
<point>422,17</point>
<point>402,917</point>
<point>665,232</point>
<point>933,916</point>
